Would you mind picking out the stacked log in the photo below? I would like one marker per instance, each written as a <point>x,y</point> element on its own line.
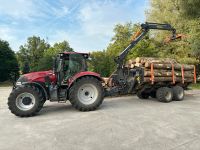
<point>158,70</point>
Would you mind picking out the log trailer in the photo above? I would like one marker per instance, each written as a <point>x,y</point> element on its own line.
<point>70,80</point>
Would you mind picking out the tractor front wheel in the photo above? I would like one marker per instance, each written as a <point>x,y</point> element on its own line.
<point>86,94</point>
<point>25,101</point>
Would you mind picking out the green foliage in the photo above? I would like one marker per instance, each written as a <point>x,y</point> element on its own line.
<point>190,8</point>
<point>37,54</point>
<point>180,50</point>
<point>195,39</point>
<point>8,62</point>
<point>103,61</point>
<point>26,68</point>
<point>195,86</point>
<point>32,52</point>
<point>45,63</point>
<point>174,12</point>
<point>99,63</point>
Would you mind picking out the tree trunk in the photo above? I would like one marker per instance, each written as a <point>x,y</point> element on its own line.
<point>168,73</point>
<point>143,60</point>
<point>167,79</point>
<point>169,66</point>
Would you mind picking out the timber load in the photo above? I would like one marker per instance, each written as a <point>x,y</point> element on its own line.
<point>163,70</point>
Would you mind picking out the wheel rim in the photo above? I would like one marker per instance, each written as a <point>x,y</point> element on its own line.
<point>25,101</point>
<point>180,94</point>
<point>87,94</point>
<point>168,96</point>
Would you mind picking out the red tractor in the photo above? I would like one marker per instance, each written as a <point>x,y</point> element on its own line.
<point>70,80</point>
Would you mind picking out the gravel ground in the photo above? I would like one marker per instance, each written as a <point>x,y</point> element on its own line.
<point>120,123</point>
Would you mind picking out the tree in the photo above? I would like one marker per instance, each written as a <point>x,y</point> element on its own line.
<point>190,8</point>
<point>195,40</point>
<point>99,63</point>
<point>32,52</point>
<point>26,68</point>
<point>45,63</point>
<point>9,65</point>
<point>103,61</point>
<point>122,39</point>
<point>190,11</point>
<point>169,11</point>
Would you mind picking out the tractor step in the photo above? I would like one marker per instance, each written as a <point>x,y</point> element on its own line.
<point>62,101</point>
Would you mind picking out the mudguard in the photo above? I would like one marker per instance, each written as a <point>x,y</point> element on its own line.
<point>82,74</point>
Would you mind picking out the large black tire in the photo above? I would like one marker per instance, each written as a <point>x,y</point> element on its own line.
<point>86,94</point>
<point>164,94</point>
<point>19,108</point>
<point>41,94</point>
<point>178,93</point>
<point>153,94</point>
<point>142,95</point>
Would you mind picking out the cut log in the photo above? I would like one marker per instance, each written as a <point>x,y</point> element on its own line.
<point>168,73</point>
<point>143,60</point>
<point>138,65</point>
<point>157,79</point>
<point>187,74</point>
<point>167,79</point>
<point>179,79</point>
<point>169,66</point>
<point>131,61</point>
<point>158,73</point>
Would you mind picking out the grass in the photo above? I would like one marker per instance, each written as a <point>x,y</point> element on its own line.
<point>195,86</point>
<point>5,84</point>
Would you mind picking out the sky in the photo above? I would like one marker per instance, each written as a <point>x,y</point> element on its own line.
<point>86,24</point>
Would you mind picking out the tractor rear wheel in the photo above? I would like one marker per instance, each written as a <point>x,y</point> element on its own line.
<point>25,101</point>
<point>164,94</point>
<point>86,94</point>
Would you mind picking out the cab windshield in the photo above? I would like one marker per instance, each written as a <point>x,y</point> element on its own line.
<point>74,64</point>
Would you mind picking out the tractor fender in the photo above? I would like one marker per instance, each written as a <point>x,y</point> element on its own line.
<point>83,74</point>
<point>37,84</point>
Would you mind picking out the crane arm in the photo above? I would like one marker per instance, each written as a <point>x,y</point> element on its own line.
<point>140,34</point>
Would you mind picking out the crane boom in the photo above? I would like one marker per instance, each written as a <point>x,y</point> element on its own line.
<point>139,35</point>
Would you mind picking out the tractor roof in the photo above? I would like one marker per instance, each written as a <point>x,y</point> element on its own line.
<point>74,53</point>
<point>85,55</point>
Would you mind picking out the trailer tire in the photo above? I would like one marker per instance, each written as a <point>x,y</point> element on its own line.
<point>164,94</point>
<point>178,93</point>
<point>142,95</point>
<point>153,94</point>
<point>86,94</point>
<point>25,101</point>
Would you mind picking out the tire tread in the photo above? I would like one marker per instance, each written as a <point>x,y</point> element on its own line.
<point>17,112</point>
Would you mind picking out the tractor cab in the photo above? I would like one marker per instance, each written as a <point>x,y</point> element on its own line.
<point>67,64</point>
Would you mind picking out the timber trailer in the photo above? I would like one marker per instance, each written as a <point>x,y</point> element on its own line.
<point>70,80</point>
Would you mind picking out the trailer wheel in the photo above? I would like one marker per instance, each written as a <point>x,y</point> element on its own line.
<point>178,93</point>
<point>25,101</point>
<point>142,95</point>
<point>164,94</point>
<point>86,94</point>
<point>153,94</point>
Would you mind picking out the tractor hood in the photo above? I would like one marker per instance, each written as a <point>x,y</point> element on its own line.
<point>37,77</point>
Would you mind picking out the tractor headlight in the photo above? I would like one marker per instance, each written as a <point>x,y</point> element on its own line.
<point>18,83</point>
<point>22,80</point>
